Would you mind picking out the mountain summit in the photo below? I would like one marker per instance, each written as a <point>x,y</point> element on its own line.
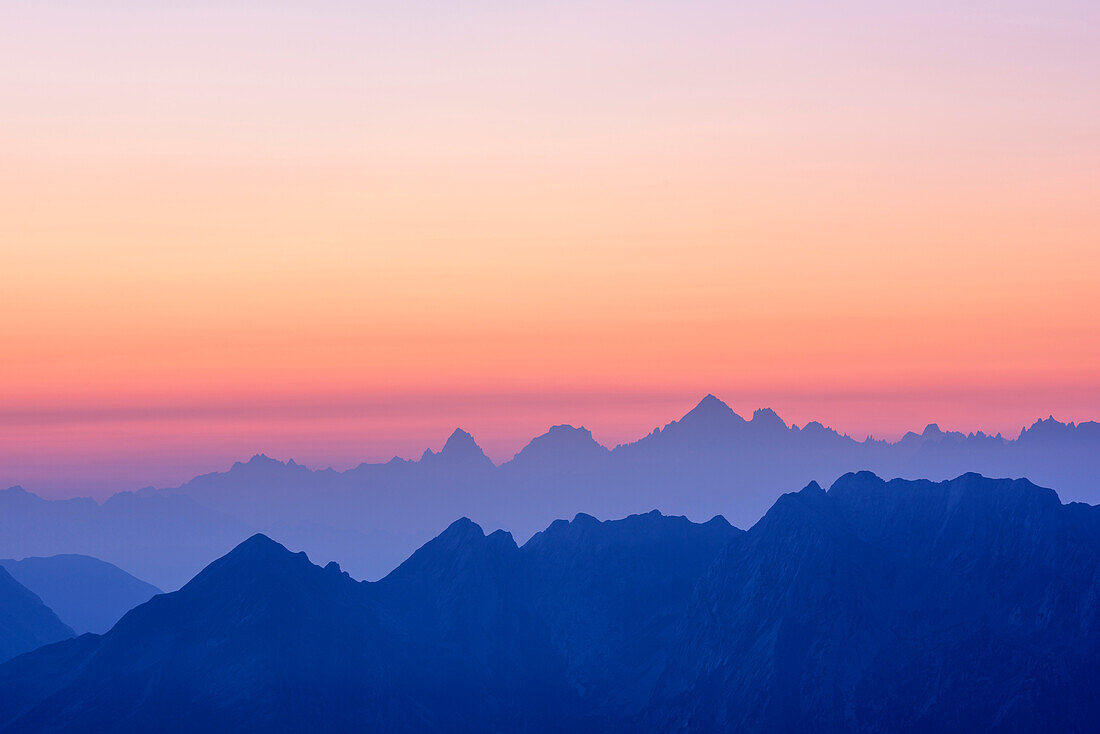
<point>901,606</point>
<point>709,414</point>
<point>372,516</point>
<point>460,450</point>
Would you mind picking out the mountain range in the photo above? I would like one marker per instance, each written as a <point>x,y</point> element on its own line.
<point>86,593</point>
<point>711,461</point>
<point>25,622</point>
<point>902,606</point>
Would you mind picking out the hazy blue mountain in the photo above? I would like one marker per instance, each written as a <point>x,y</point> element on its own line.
<point>159,536</point>
<point>563,450</point>
<point>967,605</point>
<point>25,622</point>
<point>709,462</point>
<point>86,593</point>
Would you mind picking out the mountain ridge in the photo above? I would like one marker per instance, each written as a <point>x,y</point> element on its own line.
<point>372,516</point>
<point>874,605</point>
<point>87,594</point>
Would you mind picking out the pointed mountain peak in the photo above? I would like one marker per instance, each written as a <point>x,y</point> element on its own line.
<point>932,430</point>
<point>461,444</point>
<point>710,412</point>
<point>460,448</point>
<point>460,441</point>
<point>711,404</point>
<point>813,488</point>
<point>256,562</point>
<point>261,547</point>
<point>452,554</point>
<point>768,418</point>
<point>462,529</point>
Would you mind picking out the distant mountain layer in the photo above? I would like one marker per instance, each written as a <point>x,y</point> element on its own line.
<point>711,461</point>
<point>25,622</point>
<point>968,605</point>
<point>88,594</point>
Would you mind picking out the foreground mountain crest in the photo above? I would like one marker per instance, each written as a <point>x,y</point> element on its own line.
<point>966,605</point>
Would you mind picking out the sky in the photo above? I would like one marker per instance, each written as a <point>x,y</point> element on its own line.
<point>334,231</point>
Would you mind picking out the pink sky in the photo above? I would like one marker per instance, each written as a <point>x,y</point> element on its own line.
<point>335,231</point>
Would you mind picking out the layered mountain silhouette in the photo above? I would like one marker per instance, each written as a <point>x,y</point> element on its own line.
<point>25,622</point>
<point>966,605</point>
<point>88,594</point>
<point>711,461</point>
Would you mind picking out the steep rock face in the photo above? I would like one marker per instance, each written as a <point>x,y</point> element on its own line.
<point>901,606</point>
<point>25,622</point>
<point>788,593</point>
<point>261,636</point>
<point>462,597</point>
<point>611,593</point>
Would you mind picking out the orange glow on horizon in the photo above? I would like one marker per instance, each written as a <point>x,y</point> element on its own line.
<point>281,212</point>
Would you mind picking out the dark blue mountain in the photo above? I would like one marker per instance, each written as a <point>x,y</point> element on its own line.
<point>25,622</point>
<point>88,594</point>
<point>711,461</point>
<point>155,535</point>
<point>466,635</point>
<point>967,605</point>
<point>611,593</point>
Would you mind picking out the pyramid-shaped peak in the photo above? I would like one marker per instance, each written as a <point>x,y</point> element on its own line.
<point>711,401</point>
<point>459,450</point>
<point>259,546</point>
<point>461,529</point>
<point>257,560</point>
<point>711,410</point>
<point>461,443</point>
<point>453,552</point>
